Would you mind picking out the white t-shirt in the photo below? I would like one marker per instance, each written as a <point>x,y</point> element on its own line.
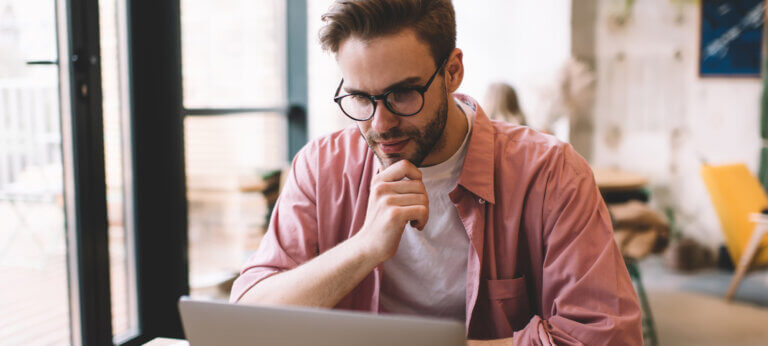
<point>428,274</point>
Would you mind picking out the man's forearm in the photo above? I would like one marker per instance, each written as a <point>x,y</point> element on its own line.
<point>320,282</point>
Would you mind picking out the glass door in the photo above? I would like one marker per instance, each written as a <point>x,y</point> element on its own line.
<point>34,303</point>
<point>64,192</point>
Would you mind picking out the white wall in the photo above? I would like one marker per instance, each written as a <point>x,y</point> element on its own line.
<point>655,115</point>
<point>521,42</point>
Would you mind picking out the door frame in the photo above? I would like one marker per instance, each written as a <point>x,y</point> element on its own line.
<point>84,171</point>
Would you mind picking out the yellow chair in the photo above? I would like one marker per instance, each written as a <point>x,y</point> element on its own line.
<point>738,199</point>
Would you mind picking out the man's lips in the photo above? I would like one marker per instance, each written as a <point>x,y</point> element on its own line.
<point>391,147</point>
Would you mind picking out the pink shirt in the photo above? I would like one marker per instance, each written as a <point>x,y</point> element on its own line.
<point>542,265</point>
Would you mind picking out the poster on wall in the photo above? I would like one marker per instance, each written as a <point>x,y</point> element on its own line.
<point>731,38</point>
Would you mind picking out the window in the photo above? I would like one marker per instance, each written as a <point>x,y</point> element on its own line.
<point>33,253</point>
<point>236,78</point>
<point>233,53</point>
<point>117,159</point>
<point>93,224</point>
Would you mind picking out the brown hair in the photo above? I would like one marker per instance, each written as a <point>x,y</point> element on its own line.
<point>501,104</point>
<point>433,21</point>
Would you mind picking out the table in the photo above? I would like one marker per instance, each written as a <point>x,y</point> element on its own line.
<point>618,186</point>
<point>613,179</point>
<point>167,342</point>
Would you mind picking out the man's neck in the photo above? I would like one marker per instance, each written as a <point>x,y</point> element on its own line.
<point>456,128</point>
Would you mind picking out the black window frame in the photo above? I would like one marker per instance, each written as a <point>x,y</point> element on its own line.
<point>85,180</point>
<point>157,153</point>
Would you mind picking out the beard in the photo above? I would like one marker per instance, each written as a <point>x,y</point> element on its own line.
<point>426,139</point>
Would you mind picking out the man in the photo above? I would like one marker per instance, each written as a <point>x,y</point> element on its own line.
<point>427,207</point>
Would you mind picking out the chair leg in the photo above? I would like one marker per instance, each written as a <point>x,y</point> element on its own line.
<point>746,259</point>
<point>649,330</point>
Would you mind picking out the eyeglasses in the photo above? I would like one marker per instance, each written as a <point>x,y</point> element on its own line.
<point>402,101</point>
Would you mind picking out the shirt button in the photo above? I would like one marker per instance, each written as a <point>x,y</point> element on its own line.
<point>481,201</point>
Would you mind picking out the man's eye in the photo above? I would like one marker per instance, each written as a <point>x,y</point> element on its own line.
<point>359,97</point>
<point>403,95</point>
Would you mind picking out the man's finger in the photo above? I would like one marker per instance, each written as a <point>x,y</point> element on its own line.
<point>408,199</point>
<point>418,215</point>
<point>399,170</point>
<point>405,186</point>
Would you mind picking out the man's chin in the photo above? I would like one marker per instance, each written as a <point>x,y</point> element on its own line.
<point>410,153</point>
<point>388,160</point>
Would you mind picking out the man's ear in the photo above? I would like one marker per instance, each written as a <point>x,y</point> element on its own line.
<point>454,70</point>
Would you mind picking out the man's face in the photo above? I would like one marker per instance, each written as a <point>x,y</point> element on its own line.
<point>379,65</point>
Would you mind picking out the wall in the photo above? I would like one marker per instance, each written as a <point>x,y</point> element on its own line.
<point>521,42</point>
<point>655,115</point>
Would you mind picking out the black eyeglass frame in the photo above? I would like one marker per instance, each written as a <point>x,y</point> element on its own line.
<point>383,97</point>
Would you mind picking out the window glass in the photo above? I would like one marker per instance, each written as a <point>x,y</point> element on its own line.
<point>34,303</point>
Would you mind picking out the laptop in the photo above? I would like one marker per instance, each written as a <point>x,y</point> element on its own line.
<point>218,323</point>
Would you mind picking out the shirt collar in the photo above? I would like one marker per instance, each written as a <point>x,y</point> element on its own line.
<point>477,172</point>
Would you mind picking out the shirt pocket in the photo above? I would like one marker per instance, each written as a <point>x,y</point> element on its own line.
<point>509,306</point>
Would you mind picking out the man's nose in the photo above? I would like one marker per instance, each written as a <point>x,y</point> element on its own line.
<point>383,120</point>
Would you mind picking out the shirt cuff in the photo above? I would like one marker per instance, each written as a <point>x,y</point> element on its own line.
<point>536,332</point>
<point>248,279</point>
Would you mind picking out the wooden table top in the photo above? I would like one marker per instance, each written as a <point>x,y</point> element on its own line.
<point>612,179</point>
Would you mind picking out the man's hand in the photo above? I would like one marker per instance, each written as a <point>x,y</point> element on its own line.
<point>393,202</point>
<point>329,277</point>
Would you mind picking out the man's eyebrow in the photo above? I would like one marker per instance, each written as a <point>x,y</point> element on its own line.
<point>410,81</point>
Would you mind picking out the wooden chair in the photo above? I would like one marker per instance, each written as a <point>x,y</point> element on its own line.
<point>738,198</point>
<point>759,232</point>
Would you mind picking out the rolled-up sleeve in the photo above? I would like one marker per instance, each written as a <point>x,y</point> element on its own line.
<point>291,238</point>
<point>587,297</point>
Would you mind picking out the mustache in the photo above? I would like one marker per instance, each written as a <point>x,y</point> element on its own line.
<point>394,133</point>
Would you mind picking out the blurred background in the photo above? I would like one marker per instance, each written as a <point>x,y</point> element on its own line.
<point>142,148</point>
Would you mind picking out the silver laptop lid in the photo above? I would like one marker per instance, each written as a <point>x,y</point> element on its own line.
<point>214,323</point>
